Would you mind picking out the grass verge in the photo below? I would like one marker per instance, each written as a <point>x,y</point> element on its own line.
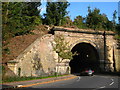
<point>14,79</point>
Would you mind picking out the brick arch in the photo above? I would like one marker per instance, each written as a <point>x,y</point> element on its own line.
<point>88,42</point>
<point>84,41</point>
<point>94,48</point>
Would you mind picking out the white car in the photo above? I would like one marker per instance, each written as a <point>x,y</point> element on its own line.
<point>87,72</point>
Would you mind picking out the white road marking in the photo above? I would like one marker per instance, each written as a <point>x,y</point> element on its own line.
<point>102,87</point>
<point>107,85</point>
<point>78,78</point>
<point>111,82</point>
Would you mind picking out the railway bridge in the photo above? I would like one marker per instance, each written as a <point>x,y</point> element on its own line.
<point>96,50</point>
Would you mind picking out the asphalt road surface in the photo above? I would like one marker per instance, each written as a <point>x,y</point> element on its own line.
<point>96,82</point>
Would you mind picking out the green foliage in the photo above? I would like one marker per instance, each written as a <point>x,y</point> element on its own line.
<point>114,17</point>
<point>55,12</point>
<point>117,37</point>
<point>119,20</point>
<point>109,25</point>
<point>12,79</point>
<point>95,20</point>
<point>37,20</point>
<point>67,21</point>
<point>62,48</point>
<point>118,29</point>
<point>19,18</point>
<point>2,70</point>
<point>79,22</point>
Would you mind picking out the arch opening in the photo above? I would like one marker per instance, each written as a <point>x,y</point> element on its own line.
<point>87,57</point>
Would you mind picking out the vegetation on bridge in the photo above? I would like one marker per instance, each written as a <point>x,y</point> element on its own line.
<point>61,47</point>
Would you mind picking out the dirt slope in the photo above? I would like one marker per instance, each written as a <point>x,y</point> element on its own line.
<point>14,46</point>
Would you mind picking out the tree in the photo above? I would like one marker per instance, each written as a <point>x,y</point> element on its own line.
<point>119,20</point>
<point>67,22</point>
<point>109,25</point>
<point>62,49</point>
<point>19,17</point>
<point>79,22</point>
<point>114,17</point>
<point>55,12</point>
<point>96,20</point>
<point>93,19</point>
<point>118,29</point>
<point>89,10</point>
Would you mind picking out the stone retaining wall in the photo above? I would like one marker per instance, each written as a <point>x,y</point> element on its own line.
<point>36,60</point>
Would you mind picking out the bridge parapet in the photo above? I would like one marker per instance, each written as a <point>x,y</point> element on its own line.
<point>87,31</point>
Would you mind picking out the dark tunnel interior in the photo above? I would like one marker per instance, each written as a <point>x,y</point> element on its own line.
<point>87,57</point>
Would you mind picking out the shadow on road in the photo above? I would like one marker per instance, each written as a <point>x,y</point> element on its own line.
<point>63,89</point>
<point>109,73</point>
<point>7,87</point>
<point>100,73</point>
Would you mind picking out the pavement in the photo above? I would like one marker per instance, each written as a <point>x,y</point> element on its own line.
<point>20,84</point>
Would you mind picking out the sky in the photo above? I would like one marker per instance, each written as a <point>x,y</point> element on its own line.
<point>81,8</point>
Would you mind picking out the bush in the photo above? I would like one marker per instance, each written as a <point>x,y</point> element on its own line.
<point>118,29</point>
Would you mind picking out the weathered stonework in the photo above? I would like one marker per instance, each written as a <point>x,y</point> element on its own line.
<point>40,59</point>
<point>96,39</point>
<point>37,59</point>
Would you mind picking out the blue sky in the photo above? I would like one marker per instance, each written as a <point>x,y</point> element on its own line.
<point>80,8</point>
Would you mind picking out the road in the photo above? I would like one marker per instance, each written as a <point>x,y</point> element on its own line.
<point>96,82</point>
